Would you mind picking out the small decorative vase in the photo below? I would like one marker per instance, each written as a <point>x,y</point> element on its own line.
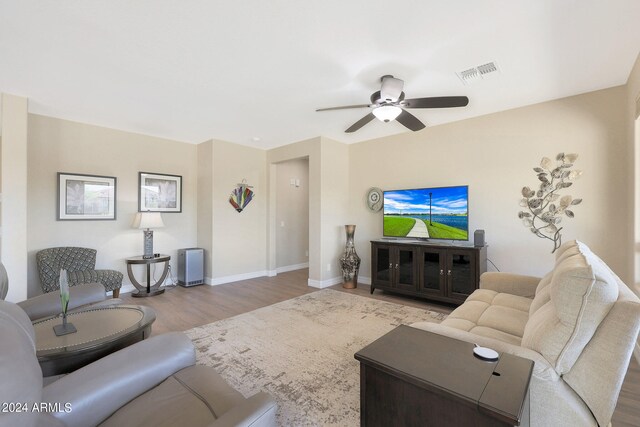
<point>65,328</point>
<point>350,261</point>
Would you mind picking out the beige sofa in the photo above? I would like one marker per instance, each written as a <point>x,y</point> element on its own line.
<point>579,324</point>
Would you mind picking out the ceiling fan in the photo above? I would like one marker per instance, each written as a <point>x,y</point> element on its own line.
<point>389,104</point>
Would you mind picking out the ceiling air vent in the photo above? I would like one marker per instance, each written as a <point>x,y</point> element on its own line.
<point>470,74</point>
<point>478,73</point>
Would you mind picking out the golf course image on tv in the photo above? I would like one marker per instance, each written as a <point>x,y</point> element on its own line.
<point>428,213</point>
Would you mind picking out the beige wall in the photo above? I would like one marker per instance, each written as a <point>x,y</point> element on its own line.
<point>13,205</point>
<point>328,204</point>
<point>205,204</point>
<point>239,239</point>
<point>292,213</point>
<point>62,146</point>
<point>305,149</point>
<point>633,129</point>
<point>494,155</point>
<point>334,207</point>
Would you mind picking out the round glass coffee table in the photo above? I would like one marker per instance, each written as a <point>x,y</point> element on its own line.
<point>101,331</point>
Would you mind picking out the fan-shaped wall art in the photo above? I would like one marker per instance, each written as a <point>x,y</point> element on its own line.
<point>241,196</point>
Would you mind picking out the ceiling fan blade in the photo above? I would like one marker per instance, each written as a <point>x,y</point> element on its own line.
<point>391,88</point>
<point>363,121</point>
<point>344,107</point>
<point>410,121</point>
<point>436,102</point>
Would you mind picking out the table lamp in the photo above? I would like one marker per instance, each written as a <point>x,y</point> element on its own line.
<point>146,221</point>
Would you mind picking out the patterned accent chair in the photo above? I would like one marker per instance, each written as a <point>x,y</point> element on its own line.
<point>80,264</point>
<point>81,297</point>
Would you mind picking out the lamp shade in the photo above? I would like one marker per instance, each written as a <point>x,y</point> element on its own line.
<point>386,113</point>
<point>148,220</point>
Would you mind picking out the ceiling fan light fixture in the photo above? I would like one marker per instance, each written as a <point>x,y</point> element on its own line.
<point>389,103</point>
<point>386,113</point>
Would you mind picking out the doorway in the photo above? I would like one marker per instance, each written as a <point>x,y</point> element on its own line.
<point>292,215</point>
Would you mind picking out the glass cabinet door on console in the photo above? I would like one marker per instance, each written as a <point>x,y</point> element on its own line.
<point>461,272</point>
<point>405,267</point>
<point>432,265</point>
<point>382,266</point>
<point>442,272</point>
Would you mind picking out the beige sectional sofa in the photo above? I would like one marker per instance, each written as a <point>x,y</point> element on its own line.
<point>579,324</point>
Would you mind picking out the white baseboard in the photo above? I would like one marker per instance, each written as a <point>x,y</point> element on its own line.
<point>321,284</point>
<point>123,290</point>
<point>324,283</point>
<point>245,276</point>
<point>286,268</point>
<point>214,281</point>
<point>364,280</point>
<point>636,351</point>
<point>292,267</point>
<point>130,288</point>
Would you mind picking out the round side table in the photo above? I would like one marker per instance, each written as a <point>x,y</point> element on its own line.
<point>149,290</point>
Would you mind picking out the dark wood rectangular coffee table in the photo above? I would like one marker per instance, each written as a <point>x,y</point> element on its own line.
<point>411,377</point>
<point>101,331</point>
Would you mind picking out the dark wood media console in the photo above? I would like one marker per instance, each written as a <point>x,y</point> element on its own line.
<point>437,271</point>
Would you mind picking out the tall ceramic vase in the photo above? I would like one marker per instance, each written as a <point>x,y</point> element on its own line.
<point>350,261</point>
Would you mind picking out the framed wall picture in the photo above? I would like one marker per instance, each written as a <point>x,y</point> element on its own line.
<point>159,192</point>
<point>86,197</point>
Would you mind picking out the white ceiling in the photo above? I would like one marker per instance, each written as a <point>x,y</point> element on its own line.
<point>193,70</point>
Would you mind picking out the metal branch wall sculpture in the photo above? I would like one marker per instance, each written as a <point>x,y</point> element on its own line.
<point>545,208</point>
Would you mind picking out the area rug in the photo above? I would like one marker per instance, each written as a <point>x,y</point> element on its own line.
<point>301,352</point>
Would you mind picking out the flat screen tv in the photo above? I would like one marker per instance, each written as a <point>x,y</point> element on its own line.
<point>427,213</point>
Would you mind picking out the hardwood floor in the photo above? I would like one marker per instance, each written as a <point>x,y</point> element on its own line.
<point>179,309</point>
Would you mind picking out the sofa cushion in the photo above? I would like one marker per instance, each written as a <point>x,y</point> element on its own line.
<point>512,301</point>
<point>599,371</point>
<point>568,311</point>
<point>492,314</point>
<point>506,319</point>
<point>543,294</point>
<point>194,396</point>
<point>569,247</point>
<point>543,291</point>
